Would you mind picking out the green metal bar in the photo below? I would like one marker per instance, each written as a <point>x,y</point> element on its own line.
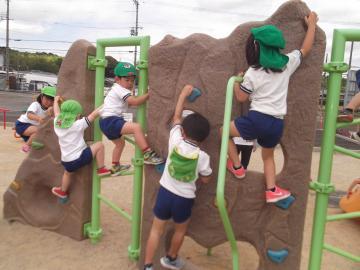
<point>134,248</point>
<point>346,151</point>
<point>342,253</point>
<point>343,216</point>
<point>115,207</point>
<point>94,230</point>
<point>220,189</point>
<point>115,42</point>
<point>353,123</point>
<point>128,139</point>
<point>327,146</point>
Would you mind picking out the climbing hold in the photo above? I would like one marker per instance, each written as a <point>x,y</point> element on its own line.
<point>277,256</point>
<point>160,168</point>
<point>194,94</point>
<point>285,203</point>
<point>37,145</point>
<point>15,185</point>
<point>63,200</point>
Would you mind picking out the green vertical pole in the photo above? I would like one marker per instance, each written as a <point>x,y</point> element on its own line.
<point>220,189</point>
<point>327,149</point>
<point>138,161</point>
<point>94,231</point>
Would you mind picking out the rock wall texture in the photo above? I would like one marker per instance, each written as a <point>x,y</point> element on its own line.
<point>208,63</point>
<point>29,199</point>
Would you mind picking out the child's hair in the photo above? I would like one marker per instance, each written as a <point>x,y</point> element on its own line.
<point>253,55</point>
<point>196,127</point>
<point>38,99</point>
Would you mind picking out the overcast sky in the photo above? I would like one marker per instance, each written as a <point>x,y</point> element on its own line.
<point>52,25</point>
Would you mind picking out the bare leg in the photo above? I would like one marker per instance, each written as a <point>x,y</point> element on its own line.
<point>232,151</point>
<point>135,128</point>
<point>118,149</point>
<point>354,102</point>
<point>65,182</point>
<point>178,238</point>
<point>269,167</point>
<point>30,131</point>
<point>152,244</point>
<point>98,151</point>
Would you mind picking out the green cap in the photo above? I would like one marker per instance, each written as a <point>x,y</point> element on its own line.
<point>70,109</point>
<point>270,40</point>
<point>49,91</point>
<point>124,69</point>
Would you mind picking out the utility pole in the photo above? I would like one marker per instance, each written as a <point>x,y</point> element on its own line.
<point>7,47</point>
<point>135,33</point>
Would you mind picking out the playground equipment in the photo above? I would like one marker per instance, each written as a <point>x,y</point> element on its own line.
<point>323,185</point>
<point>92,229</point>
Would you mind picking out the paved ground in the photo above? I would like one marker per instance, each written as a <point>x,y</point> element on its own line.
<point>17,102</point>
<point>23,247</point>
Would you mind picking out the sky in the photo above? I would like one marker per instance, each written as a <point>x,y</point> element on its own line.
<point>52,25</point>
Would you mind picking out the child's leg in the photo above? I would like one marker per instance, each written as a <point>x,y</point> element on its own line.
<point>135,128</point>
<point>157,230</point>
<point>118,149</point>
<point>30,131</point>
<point>66,181</point>
<point>269,167</point>
<point>98,151</point>
<point>232,151</point>
<point>178,238</point>
<point>246,151</point>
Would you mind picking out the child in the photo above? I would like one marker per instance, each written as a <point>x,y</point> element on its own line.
<point>245,147</point>
<point>112,123</point>
<point>266,82</point>
<point>74,152</point>
<point>184,165</point>
<point>26,125</point>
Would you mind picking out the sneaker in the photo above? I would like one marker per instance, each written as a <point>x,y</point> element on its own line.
<point>119,168</point>
<point>176,264</point>
<point>346,115</point>
<point>57,191</point>
<point>277,195</point>
<point>238,173</point>
<point>151,158</point>
<point>148,267</point>
<point>103,171</point>
<point>355,136</point>
<point>25,148</point>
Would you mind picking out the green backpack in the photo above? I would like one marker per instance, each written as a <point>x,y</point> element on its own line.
<point>183,168</point>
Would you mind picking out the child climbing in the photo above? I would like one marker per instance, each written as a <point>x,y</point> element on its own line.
<point>266,83</point>
<point>185,164</point>
<point>69,128</point>
<point>27,124</point>
<point>244,148</point>
<point>112,122</point>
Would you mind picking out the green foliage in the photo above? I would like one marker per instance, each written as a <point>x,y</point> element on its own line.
<point>47,62</point>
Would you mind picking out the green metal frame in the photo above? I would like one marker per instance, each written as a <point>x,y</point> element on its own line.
<point>323,186</point>
<point>98,63</point>
<point>220,189</point>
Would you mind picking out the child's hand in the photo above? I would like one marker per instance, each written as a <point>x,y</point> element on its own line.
<point>311,19</point>
<point>50,111</point>
<point>352,186</point>
<point>187,90</point>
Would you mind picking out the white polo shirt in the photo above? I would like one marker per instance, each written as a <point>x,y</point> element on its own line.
<point>115,102</point>
<point>34,108</point>
<point>183,189</point>
<point>71,139</point>
<point>268,90</point>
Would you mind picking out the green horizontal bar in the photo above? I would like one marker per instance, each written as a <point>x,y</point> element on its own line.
<point>343,216</point>
<point>115,207</point>
<point>346,151</point>
<point>114,42</point>
<point>347,124</point>
<point>342,252</point>
<point>350,34</point>
<point>128,139</point>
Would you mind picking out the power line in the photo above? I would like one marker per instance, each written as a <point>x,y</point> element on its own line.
<point>63,50</point>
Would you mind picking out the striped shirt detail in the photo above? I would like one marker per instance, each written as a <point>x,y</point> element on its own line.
<point>126,97</point>
<point>247,91</point>
<point>87,121</point>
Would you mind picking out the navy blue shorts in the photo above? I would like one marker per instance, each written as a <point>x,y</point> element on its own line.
<point>112,126</point>
<point>169,205</point>
<point>84,159</point>
<point>20,128</point>
<point>265,128</point>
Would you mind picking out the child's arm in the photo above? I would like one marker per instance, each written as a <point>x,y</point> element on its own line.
<point>34,117</point>
<point>137,100</point>
<point>94,114</point>
<point>240,95</point>
<point>205,179</point>
<point>57,100</point>
<point>185,92</point>
<point>310,21</point>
